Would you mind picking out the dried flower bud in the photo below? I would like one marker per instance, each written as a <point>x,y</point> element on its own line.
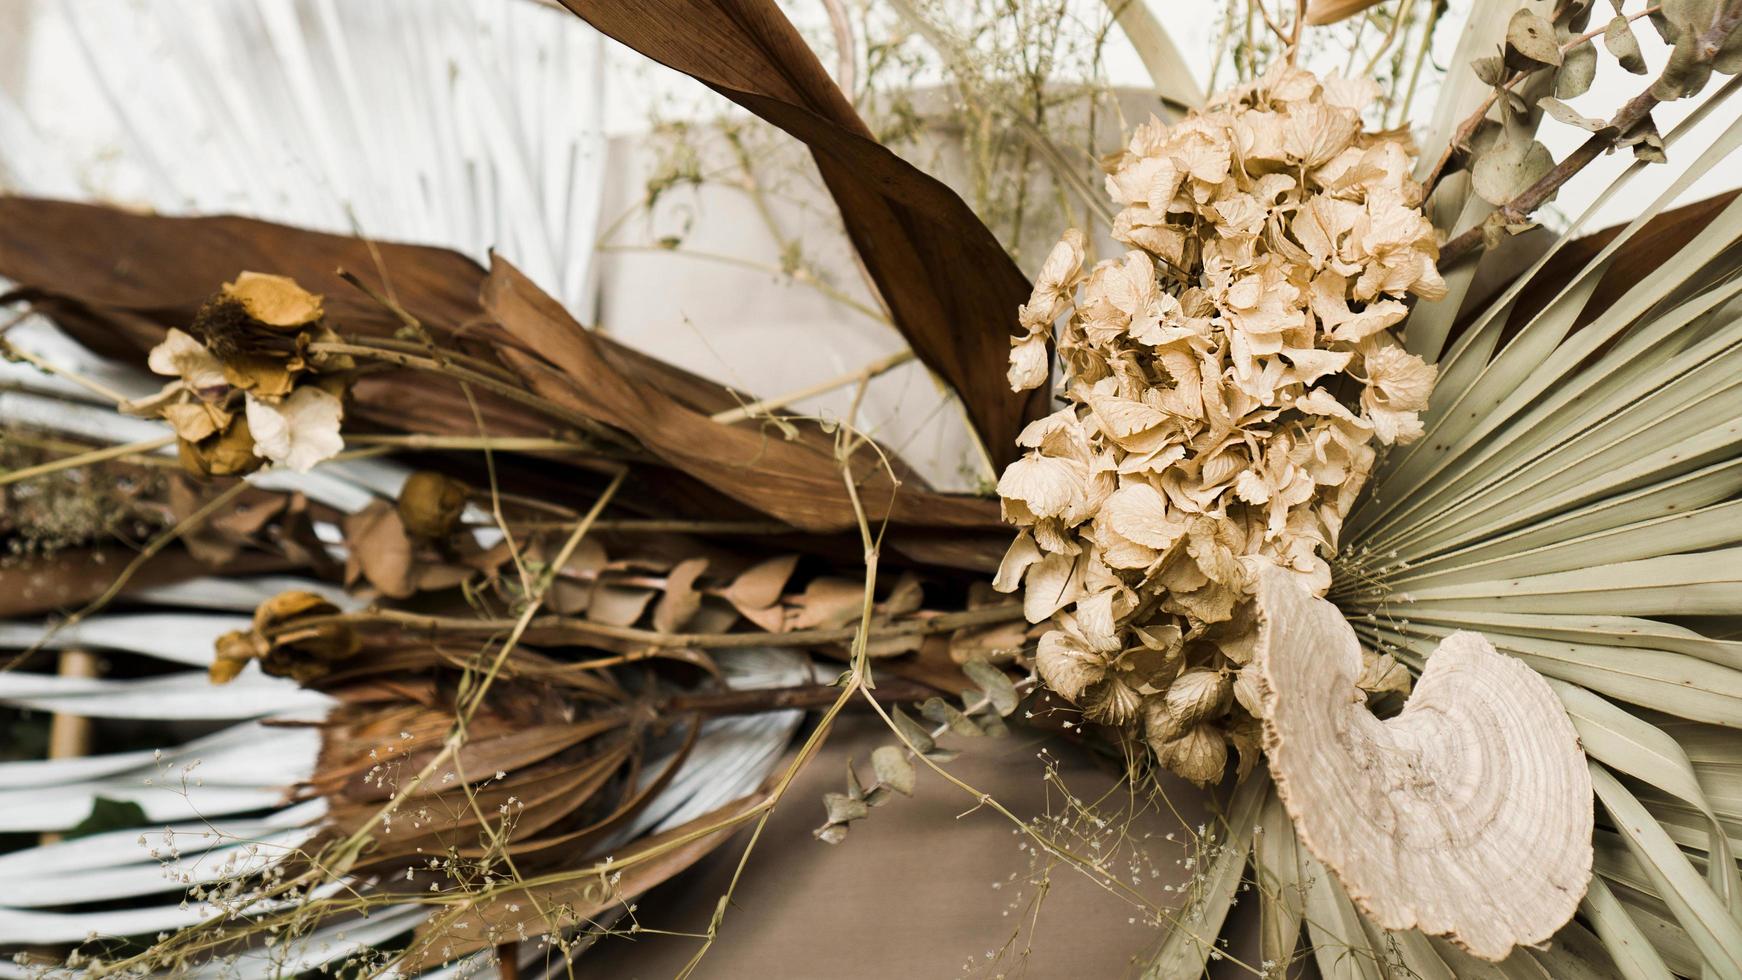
<point>430,503</point>
<point>275,301</point>
<point>283,648</point>
<point>253,320</point>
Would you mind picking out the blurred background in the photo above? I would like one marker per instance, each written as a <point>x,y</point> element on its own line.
<point>654,209</point>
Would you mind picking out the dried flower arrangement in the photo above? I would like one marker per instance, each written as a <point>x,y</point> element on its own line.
<point>1300,457</point>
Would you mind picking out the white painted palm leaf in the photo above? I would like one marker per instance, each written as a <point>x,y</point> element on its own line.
<point>470,124</point>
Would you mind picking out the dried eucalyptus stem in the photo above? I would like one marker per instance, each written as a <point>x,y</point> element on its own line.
<point>1635,113</point>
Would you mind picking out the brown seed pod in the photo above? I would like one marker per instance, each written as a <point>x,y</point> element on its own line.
<point>301,653</point>
<point>430,504</point>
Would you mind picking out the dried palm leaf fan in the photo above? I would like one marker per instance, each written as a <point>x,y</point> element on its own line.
<point>1569,502</point>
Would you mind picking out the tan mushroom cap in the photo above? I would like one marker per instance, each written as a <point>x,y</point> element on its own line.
<point>1468,815</point>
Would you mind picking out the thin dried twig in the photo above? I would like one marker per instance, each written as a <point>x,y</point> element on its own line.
<point>12,351</point>
<point>460,626</point>
<point>86,459</point>
<point>857,376</point>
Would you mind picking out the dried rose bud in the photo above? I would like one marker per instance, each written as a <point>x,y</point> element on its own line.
<point>430,504</point>
<point>253,320</point>
<point>276,301</point>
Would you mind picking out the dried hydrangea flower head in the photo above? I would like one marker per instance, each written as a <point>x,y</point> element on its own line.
<point>1227,383</point>
<point>248,390</point>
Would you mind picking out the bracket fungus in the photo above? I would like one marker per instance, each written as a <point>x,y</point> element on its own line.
<point>1468,815</point>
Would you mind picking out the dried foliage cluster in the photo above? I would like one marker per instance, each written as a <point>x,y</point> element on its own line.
<point>1228,380</point>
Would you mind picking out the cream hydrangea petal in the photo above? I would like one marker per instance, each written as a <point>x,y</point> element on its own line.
<point>180,355</point>
<point>1139,512</point>
<point>299,431</point>
<point>1066,665</point>
<point>1023,552</point>
<point>1028,363</point>
<point>1047,484</point>
<point>1053,583</point>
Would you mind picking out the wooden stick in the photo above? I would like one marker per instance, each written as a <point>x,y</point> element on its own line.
<point>69,735</point>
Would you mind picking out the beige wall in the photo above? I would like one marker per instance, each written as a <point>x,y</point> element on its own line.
<point>14,24</point>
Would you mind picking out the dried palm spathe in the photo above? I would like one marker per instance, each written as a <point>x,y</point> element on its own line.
<point>1228,380</point>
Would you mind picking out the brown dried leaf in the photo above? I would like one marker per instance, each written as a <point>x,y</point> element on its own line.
<point>950,285</point>
<point>761,585</point>
<point>571,591</point>
<point>829,603</point>
<point>111,278</point>
<point>680,599</point>
<point>881,647</point>
<point>905,597</point>
<point>220,537</point>
<point>615,605</point>
<point>796,481</point>
<point>998,643</point>
<point>431,503</point>
<point>380,550</point>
